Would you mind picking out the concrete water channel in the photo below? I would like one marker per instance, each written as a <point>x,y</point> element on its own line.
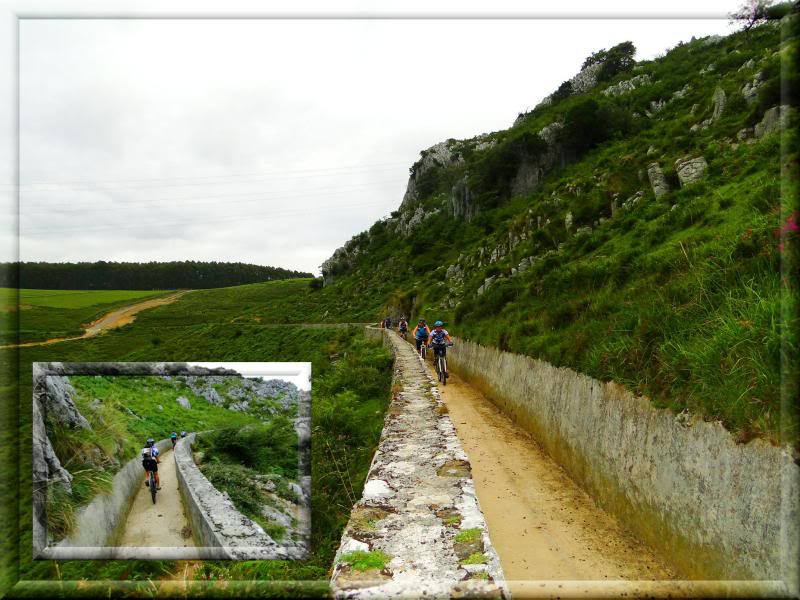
<point>551,537</point>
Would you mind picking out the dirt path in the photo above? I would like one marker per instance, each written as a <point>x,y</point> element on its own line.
<point>543,526</point>
<point>116,318</point>
<point>164,523</point>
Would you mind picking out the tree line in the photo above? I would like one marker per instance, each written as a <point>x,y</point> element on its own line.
<point>104,275</point>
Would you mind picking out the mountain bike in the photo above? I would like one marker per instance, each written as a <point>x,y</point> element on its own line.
<point>440,363</point>
<point>423,349</point>
<point>152,485</point>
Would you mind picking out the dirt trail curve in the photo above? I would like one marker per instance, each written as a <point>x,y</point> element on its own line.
<point>116,318</point>
<point>164,523</point>
<point>543,526</point>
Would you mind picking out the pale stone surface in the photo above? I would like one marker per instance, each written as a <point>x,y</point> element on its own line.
<point>690,169</point>
<point>586,79</point>
<point>441,154</point>
<point>462,204</point>
<point>718,100</point>
<point>409,525</point>
<point>628,85</point>
<point>184,402</point>
<point>775,119</point>
<point>683,92</point>
<point>657,180</point>
<point>215,521</point>
<point>750,89</point>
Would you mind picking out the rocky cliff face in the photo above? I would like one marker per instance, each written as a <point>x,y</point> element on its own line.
<point>53,402</point>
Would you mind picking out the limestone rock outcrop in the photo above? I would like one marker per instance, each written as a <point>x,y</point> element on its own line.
<point>719,100</point>
<point>690,169</point>
<point>775,119</point>
<point>439,155</point>
<point>462,202</point>
<point>624,87</point>
<point>750,89</point>
<point>657,180</point>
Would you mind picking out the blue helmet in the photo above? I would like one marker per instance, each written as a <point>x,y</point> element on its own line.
<point>150,441</point>
<point>438,324</point>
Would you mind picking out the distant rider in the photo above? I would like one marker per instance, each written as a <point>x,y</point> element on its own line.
<point>402,326</point>
<point>183,434</point>
<point>174,439</point>
<point>150,462</point>
<point>421,333</point>
<point>439,339</point>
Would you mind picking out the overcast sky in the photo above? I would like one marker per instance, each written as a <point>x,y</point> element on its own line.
<point>270,141</point>
<point>298,373</point>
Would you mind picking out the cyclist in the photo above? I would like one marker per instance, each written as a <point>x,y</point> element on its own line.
<point>174,438</point>
<point>421,333</point>
<point>183,434</point>
<point>402,326</point>
<point>150,462</point>
<point>439,339</point>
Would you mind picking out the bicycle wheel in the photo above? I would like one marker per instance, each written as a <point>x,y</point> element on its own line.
<point>444,370</point>
<point>153,486</point>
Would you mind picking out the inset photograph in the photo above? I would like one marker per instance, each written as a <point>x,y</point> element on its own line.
<point>171,461</point>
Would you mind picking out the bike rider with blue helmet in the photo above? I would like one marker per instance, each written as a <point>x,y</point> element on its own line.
<point>439,339</point>
<point>421,333</point>
<point>150,462</point>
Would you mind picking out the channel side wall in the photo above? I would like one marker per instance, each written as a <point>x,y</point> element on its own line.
<point>99,522</point>
<point>418,496</point>
<point>218,529</point>
<point>716,509</point>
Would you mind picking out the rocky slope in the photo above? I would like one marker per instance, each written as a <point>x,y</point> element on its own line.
<point>603,228</point>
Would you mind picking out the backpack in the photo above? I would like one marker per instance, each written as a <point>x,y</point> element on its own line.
<point>147,455</point>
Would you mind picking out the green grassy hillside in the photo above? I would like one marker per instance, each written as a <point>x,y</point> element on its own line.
<point>549,239</point>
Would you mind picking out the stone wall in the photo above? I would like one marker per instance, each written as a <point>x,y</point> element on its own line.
<point>715,508</point>
<point>99,522</point>
<point>220,531</point>
<point>418,497</point>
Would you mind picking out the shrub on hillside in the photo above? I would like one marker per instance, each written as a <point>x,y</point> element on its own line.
<point>269,448</point>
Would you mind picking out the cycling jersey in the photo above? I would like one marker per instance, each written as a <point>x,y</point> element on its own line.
<point>439,337</point>
<point>403,326</point>
<point>421,333</point>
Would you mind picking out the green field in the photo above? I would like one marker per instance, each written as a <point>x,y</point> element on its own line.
<point>45,314</point>
<point>70,298</point>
